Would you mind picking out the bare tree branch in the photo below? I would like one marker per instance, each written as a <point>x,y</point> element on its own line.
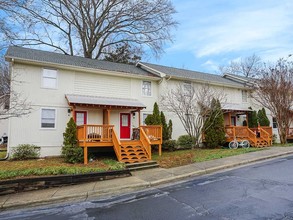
<point>274,91</point>
<point>89,27</point>
<point>192,106</point>
<point>247,67</point>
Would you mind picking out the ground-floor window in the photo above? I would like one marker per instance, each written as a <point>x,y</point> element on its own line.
<point>48,118</point>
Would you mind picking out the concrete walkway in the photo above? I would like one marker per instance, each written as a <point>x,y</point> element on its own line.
<point>138,181</point>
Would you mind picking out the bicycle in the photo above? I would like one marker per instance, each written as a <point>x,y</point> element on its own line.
<point>242,143</point>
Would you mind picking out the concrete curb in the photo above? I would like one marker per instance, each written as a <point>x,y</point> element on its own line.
<point>85,196</point>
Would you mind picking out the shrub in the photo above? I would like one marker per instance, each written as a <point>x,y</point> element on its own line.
<point>70,151</point>
<point>185,142</point>
<point>25,152</point>
<point>72,154</point>
<point>169,145</point>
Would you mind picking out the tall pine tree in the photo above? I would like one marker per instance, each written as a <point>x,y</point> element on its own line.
<point>262,118</point>
<point>214,126</point>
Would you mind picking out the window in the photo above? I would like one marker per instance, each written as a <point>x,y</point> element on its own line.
<point>275,123</point>
<point>49,79</point>
<point>48,118</point>
<point>146,88</point>
<point>187,88</point>
<point>244,96</point>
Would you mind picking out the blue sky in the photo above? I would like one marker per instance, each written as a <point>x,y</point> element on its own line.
<point>213,32</point>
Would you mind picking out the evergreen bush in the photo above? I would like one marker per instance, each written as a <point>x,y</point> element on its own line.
<point>252,120</point>
<point>262,118</point>
<point>169,145</point>
<point>158,118</point>
<point>214,126</point>
<point>185,142</point>
<point>70,150</point>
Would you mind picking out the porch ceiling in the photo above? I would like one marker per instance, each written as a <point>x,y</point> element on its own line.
<point>233,107</point>
<point>103,102</point>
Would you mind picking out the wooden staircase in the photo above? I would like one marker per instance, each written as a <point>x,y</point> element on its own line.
<point>260,142</point>
<point>133,152</point>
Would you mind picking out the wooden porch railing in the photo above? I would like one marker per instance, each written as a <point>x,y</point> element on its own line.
<point>117,144</point>
<point>265,135</point>
<point>252,134</point>
<point>88,133</point>
<point>290,133</point>
<point>146,144</point>
<point>154,134</point>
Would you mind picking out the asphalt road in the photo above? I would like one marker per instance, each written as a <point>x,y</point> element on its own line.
<point>259,191</point>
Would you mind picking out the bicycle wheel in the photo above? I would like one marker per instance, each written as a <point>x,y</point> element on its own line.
<point>245,144</point>
<point>233,145</point>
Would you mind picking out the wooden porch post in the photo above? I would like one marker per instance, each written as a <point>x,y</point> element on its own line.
<point>106,116</point>
<point>139,118</point>
<point>247,119</point>
<point>85,161</point>
<point>229,115</point>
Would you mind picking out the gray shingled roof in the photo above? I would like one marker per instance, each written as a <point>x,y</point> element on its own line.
<point>57,58</point>
<point>103,101</point>
<point>193,75</point>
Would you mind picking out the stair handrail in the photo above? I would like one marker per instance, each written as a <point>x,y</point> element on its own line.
<point>252,136</point>
<point>265,135</point>
<point>117,144</point>
<point>146,143</point>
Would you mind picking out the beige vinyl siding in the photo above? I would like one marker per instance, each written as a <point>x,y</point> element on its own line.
<point>100,85</point>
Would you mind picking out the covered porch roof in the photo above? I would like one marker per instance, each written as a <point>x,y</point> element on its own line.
<point>103,102</point>
<point>233,107</point>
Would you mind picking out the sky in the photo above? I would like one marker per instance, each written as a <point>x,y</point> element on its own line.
<point>211,33</point>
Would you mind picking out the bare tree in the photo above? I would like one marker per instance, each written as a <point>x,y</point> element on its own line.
<point>274,90</point>
<point>248,67</point>
<point>89,27</point>
<point>12,104</point>
<point>192,106</point>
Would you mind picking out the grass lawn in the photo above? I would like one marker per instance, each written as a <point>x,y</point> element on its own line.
<point>184,157</point>
<point>2,154</point>
<point>53,166</point>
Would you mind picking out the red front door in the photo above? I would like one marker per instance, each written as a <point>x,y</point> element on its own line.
<point>124,125</point>
<point>80,117</point>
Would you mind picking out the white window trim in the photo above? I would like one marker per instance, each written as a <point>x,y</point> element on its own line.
<point>42,78</point>
<point>55,122</point>
<point>142,88</point>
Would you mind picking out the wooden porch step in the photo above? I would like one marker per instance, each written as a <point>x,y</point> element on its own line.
<point>133,152</point>
<point>142,165</point>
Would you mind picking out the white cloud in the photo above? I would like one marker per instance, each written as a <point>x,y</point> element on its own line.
<point>258,26</point>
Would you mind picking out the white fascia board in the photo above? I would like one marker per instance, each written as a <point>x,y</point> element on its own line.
<point>211,83</point>
<point>77,68</point>
<point>152,70</point>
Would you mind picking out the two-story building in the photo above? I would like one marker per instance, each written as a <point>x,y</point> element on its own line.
<point>107,100</point>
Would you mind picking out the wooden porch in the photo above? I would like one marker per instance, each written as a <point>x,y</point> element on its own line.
<point>128,151</point>
<point>258,137</point>
<point>290,134</point>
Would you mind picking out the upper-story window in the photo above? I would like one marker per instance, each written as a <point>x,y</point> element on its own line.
<point>146,88</point>
<point>187,88</point>
<point>48,118</point>
<point>244,96</point>
<point>49,79</point>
